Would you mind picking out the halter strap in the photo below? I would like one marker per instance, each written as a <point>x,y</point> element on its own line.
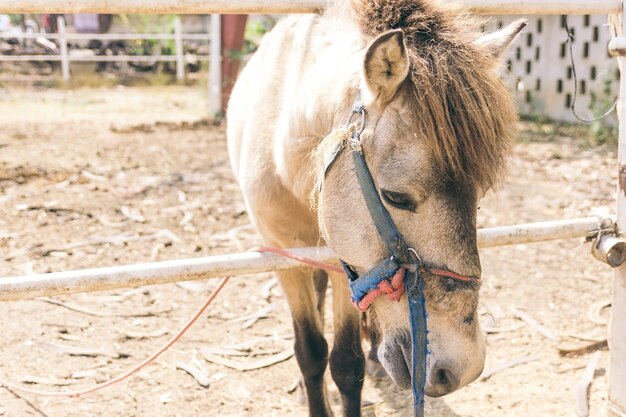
<point>387,230</point>
<point>403,265</point>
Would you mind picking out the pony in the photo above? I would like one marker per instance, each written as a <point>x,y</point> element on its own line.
<point>439,127</point>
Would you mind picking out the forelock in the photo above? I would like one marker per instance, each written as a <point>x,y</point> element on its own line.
<point>460,106</point>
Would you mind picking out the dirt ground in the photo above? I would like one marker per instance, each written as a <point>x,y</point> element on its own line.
<point>99,177</point>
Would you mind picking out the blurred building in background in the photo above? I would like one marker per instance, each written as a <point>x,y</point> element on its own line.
<point>541,73</point>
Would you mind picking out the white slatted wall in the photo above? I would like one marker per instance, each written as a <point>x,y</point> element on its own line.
<point>541,72</point>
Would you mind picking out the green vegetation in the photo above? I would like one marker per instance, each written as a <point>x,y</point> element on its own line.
<point>256,27</point>
<point>543,130</point>
<point>16,19</point>
<point>142,23</point>
<point>602,130</point>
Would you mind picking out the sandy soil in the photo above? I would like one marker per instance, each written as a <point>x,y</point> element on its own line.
<point>113,176</point>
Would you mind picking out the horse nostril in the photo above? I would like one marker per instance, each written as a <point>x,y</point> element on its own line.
<point>442,376</point>
<point>446,381</point>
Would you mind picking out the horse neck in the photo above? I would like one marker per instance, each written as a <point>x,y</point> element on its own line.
<point>320,103</point>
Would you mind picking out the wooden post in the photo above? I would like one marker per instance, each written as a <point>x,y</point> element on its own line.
<point>215,67</point>
<point>233,30</point>
<point>178,41</point>
<point>617,337</point>
<point>65,61</point>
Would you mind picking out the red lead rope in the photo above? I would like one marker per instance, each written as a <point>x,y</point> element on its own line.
<point>135,368</point>
<point>449,274</point>
<point>302,259</point>
<point>393,289</point>
<point>174,339</point>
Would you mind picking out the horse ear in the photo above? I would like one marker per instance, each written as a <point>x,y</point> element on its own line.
<point>496,43</point>
<point>386,65</point>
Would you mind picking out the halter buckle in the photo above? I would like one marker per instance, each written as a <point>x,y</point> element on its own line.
<point>355,139</point>
<point>417,257</point>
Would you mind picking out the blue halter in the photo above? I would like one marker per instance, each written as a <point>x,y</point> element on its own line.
<point>400,255</point>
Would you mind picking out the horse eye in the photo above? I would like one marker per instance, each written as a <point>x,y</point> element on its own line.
<point>449,284</point>
<point>398,200</point>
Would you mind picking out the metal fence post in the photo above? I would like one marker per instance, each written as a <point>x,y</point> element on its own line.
<point>215,67</point>
<point>617,338</point>
<point>178,41</point>
<point>65,61</point>
<point>525,7</point>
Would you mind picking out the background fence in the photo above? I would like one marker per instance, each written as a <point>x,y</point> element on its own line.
<point>539,67</point>
<point>542,74</point>
<point>65,57</point>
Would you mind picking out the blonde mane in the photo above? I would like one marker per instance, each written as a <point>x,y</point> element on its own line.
<point>461,107</point>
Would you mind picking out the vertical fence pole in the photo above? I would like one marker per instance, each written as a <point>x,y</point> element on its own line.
<point>617,338</point>
<point>178,41</point>
<point>65,61</point>
<point>215,67</point>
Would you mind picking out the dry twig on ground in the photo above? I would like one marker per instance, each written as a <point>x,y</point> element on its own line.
<point>39,249</point>
<point>249,365</point>
<point>534,324</point>
<point>582,350</point>
<point>90,312</point>
<point>194,370</point>
<point>129,334</point>
<point>487,373</point>
<point>582,386</point>
<point>82,351</point>
<point>595,312</point>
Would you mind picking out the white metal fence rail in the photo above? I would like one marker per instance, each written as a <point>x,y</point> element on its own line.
<point>65,57</point>
<point>97,279</point>
<point>291,6</point>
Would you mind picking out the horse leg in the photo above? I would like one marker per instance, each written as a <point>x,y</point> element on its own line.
<point>310,347</point>
<point>320,278</point>
<point>347,361</point>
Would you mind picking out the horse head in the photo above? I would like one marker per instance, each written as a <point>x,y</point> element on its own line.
<point>439,123</point>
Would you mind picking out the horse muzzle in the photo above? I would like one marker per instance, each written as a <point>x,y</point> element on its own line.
<point>442,378</point>
<point>395,355</point>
